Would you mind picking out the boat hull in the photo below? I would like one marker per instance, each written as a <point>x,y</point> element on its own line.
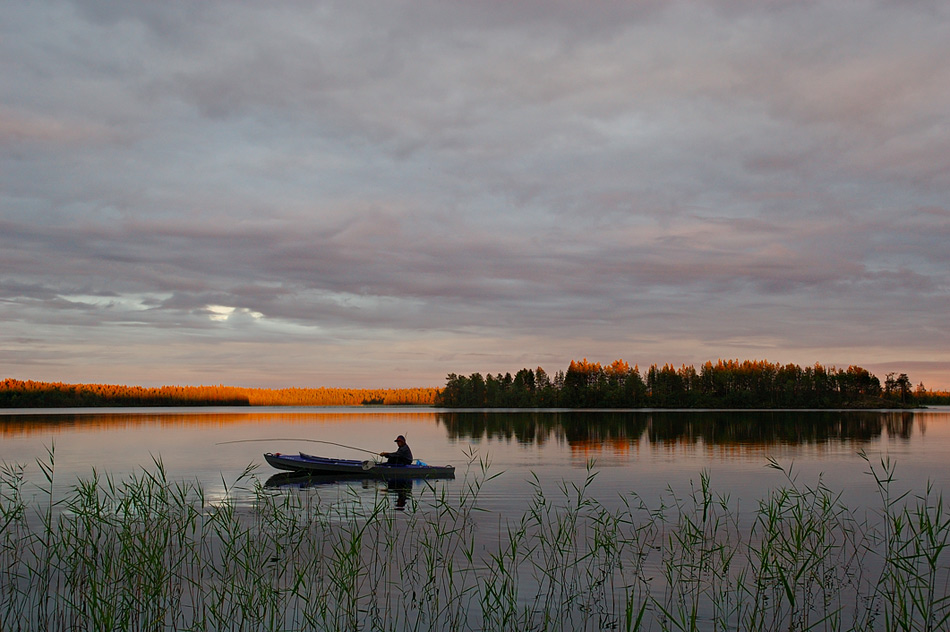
<point>318,465</point>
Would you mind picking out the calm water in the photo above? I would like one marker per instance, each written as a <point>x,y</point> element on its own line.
<point>646,452</point>
<point>658,456</point>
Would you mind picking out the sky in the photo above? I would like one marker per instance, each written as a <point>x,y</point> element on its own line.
<point>378,194</point>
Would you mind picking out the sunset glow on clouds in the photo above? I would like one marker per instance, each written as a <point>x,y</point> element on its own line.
<point>340,194</point>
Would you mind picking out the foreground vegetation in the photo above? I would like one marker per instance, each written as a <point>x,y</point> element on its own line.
<point>27,393</point>
<point>726,384</point>
<point>151,554</point>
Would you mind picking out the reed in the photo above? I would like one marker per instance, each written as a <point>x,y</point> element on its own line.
<point>150,553</point>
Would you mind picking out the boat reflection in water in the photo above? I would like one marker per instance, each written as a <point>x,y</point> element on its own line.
<point>400,488</point>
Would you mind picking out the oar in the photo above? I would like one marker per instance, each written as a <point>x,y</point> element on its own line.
<point>297,439</point>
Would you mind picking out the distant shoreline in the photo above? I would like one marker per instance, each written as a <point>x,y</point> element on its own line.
<point>727,385</point>
<point>31,394</point>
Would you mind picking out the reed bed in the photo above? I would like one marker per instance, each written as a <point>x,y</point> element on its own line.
<point>149,553</point>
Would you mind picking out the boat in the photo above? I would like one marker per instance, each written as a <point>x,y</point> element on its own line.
<point>323,466</point>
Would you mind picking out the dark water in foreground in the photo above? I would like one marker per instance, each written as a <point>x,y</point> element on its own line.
<point>647,452</point>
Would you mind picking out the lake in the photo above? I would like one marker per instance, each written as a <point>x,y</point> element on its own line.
<point>642,451</point>
<point>538,463</point>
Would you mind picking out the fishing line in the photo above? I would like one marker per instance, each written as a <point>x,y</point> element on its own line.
<point>297,439</point>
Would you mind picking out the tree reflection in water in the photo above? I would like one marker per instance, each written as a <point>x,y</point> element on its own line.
<point>722,428</point>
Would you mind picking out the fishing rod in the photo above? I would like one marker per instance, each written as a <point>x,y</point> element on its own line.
<point>298,439</point>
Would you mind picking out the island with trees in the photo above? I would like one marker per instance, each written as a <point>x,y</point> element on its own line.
<point>724,384</point>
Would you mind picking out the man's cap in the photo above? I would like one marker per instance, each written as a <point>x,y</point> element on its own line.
<point>399,437</point>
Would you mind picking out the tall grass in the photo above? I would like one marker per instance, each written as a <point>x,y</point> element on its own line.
<point>149,553</point>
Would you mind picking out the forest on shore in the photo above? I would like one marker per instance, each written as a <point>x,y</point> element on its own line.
<point>30,394</point>
<point>725,384</point>
<point>720,385</point>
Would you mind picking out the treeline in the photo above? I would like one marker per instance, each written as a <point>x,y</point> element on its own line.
<point>725,384</point>
<point>30,394</point>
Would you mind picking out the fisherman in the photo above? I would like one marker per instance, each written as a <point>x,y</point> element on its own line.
<point>402,455</point>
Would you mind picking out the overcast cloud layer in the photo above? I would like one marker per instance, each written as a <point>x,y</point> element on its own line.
<point>380,193</point>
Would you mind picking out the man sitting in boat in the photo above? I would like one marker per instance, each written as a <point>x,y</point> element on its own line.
<point>402,455</point>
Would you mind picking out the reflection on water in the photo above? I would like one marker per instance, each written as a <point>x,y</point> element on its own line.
<point>578,428</point>
<point>582,429</point>
<point>51,420</point>
<point>400,490</point>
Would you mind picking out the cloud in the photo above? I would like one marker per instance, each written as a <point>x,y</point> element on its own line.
<point>446,182</point>
<point>19,127</point>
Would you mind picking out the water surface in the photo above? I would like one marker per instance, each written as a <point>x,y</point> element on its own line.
<point>528,547</point>
<point>648,453</point>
